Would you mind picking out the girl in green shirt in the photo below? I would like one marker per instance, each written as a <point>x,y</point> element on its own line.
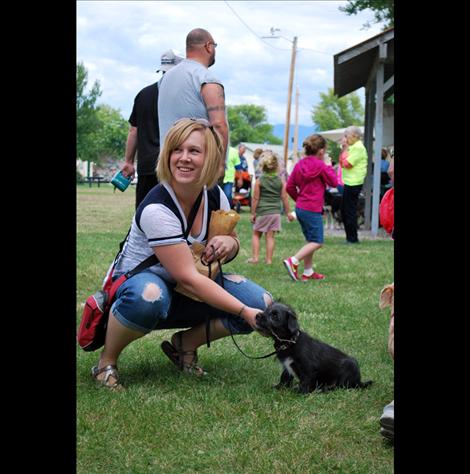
<point>269,192</point>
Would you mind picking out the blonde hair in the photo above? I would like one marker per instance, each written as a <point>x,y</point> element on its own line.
<point>213,150</point>
<point>268,161</point>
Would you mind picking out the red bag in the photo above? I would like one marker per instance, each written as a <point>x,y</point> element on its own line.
<point>386,211</point>
<point>92,330</point>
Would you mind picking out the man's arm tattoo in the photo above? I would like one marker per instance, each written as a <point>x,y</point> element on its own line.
<point>217,107</point>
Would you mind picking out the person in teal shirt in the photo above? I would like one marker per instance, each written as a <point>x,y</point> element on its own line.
<point>354,171</point>
<point>232,160</point>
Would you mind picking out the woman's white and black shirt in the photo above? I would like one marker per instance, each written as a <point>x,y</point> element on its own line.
<point>160,220</point>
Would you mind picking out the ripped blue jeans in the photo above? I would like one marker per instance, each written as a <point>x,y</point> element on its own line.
<point>146,302</point>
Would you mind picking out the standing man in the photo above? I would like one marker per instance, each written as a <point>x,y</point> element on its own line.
<point>354,167</point>
<point>143,136</point>
<point>243,166</point>
<point>191,90</point>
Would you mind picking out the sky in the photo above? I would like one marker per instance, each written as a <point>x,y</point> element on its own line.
<point>120,44</point>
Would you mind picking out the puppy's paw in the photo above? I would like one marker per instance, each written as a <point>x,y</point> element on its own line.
<point>303,390</point>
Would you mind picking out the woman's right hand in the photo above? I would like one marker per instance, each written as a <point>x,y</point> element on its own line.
<point>249,315</point>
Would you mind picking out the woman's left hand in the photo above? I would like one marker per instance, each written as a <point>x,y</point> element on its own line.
<point>218,248</point>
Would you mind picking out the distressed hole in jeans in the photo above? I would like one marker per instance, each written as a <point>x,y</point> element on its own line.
<point>234,278</point>
<point>151,292</point>
<point>268,299</point>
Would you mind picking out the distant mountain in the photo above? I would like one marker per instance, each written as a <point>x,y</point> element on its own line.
<point>304,131</point>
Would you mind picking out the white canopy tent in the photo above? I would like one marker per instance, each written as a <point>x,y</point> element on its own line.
<point>279,149</point>
<point>336,134</point>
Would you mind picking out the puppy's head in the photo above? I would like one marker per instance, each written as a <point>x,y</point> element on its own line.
<point>278,320</point>
<point>387,297</point>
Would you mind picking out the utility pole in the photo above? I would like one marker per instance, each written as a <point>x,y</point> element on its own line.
<point>289,92</point>
<point>296,127</point>
<point>289,97</point>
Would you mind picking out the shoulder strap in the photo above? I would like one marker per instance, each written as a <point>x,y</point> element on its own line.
<point>148,262</point>
<point>152,259</point>
<point>192,214</point>
<point>121,245</point>
<point>213,198</point>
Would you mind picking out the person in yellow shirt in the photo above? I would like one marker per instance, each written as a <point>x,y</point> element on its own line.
<point>229,178</point>
<point>354,170</point>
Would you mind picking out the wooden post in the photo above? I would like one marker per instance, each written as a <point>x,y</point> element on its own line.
<point>289,97</point>
<point>296,127</point>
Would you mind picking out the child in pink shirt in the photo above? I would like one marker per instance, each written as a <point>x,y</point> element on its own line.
<point>306,186</point>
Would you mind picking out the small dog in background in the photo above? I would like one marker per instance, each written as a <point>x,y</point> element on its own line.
<point>317,365</point>
<point>328,218</point>
<point>332,209</point>
<point>387,296</point>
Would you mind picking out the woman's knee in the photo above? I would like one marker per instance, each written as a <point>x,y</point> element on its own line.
<point>142,305</point>
<point>247,291</point>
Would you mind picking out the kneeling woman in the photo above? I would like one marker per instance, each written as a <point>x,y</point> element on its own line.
<point>189,164</point>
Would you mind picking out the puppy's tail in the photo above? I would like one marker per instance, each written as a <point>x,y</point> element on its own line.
<point>365,384</point>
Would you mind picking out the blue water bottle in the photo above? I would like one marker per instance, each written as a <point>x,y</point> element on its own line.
<point>120,181</point>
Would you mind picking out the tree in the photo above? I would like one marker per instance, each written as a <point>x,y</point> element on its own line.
<point>248,123</point>
<point>111,134</point>
<point>101,130</point>
<point>87,119</point>
<point>383,10</point>
<point>337,112</point>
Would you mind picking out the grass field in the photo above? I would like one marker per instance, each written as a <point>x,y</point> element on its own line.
<point>232,421</point>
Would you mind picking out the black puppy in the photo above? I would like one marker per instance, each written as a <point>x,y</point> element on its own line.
<point>317,365</point>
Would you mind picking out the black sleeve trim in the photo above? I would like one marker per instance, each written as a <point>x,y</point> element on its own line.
<point>179,236</point>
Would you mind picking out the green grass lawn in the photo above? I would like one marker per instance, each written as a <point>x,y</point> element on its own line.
<point>232,421</point>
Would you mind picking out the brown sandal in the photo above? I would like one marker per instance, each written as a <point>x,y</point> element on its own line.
<point>173,351</point>
<point>109,371</point>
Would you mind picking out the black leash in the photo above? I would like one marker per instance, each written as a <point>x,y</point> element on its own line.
<point>282,347</point>
<point>208,320</point>
<point>209,265</point>
<point>233,339</point>
<point>246,355</point>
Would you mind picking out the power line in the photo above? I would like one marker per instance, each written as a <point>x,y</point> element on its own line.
<point>269,44</point>
<point>252,31</point>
